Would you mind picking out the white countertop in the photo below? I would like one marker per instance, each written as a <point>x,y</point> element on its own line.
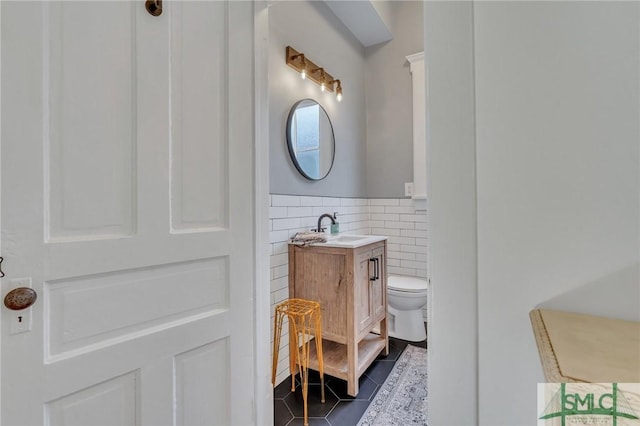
<point>350,240</point>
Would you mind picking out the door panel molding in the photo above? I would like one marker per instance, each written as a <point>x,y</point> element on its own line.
<point>194,404</point>
<point>116,401</point>
<point>76,309</point>
<point>199,121</point>
<point>90,133</point>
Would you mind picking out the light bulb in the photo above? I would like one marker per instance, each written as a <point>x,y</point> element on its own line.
<point>339,96</point>
<point>322,87</point>
<point>303,74</point>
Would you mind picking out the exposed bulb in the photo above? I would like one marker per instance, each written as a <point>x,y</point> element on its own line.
<point>339,96</point>
<point>303,74</point>
<point>322,87</point>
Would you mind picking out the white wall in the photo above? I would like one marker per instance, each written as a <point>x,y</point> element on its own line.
<point>389,103</point>
<point>613,295</point>
<point>557,155</point>
<point>557,89</point>
<point>310,27</point>
<point>452,330</point>
<point>374,131</point>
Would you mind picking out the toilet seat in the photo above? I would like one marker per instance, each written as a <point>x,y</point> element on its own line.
<point>406,284</point>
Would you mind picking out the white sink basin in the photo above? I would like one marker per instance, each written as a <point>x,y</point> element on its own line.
<point>348,238</point>
<point>351,241</point>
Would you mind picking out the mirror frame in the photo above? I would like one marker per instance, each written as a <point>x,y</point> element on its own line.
<point>292,154</point>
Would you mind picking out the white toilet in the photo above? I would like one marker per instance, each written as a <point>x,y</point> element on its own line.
<point>406,297</point>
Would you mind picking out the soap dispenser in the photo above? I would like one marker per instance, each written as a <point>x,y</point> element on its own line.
<point>335,227</point>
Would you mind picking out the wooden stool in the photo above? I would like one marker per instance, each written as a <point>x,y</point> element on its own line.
<point>304,322</point>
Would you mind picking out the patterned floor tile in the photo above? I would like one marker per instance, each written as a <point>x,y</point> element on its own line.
<point>339,409</point>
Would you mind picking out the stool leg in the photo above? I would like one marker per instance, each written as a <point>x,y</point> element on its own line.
<point>318,339</point>
<point>293,351</point>
<point>277,331</point>
<point>302,357</point>
<point>306,346</point>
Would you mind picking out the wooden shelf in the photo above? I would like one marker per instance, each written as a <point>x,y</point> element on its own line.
<point>586,348</point>
<point>336,360</point>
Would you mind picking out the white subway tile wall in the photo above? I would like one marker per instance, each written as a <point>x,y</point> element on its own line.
<point>395,218</point>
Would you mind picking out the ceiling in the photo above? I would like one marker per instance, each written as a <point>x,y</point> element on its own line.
<point>369,21</point>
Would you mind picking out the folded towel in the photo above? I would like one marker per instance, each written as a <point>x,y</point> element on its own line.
<point>308,237</point>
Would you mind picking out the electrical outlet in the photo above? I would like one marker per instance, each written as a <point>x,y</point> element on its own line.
<point>408,189</point>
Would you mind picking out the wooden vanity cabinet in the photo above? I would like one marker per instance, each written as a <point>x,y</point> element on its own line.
<point>351,286</point>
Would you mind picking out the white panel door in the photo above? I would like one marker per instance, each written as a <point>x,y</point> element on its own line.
<point>127,204</point>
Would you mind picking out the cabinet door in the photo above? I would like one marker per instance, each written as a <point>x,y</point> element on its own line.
<point>320,276</point>
<point>362,291</point>
<point>378,285</point>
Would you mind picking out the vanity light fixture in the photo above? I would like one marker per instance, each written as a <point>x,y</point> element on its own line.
<point>303,73</point>
<point>297,61</point>
<point>307,68</point>
<point>338,89</point>
<point>323,79</point>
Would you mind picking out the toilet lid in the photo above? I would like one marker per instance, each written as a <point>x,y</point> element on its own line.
<point>408,284</point>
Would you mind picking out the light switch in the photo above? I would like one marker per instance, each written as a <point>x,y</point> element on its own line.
<point>408,189</point>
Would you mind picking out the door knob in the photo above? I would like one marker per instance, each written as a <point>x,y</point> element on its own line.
<point>20,298</point>
<point>154,7</point>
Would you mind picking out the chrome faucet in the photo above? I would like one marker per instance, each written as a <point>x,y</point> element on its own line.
<point>333,220</point>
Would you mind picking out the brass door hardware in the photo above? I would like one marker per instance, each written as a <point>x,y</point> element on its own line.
<point>20,298</point>
<point>154,7</point>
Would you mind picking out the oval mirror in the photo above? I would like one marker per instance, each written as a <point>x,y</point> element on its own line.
<point>310,139</point>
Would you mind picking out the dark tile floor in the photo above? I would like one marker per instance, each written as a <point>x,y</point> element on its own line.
<point>339,408</point>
